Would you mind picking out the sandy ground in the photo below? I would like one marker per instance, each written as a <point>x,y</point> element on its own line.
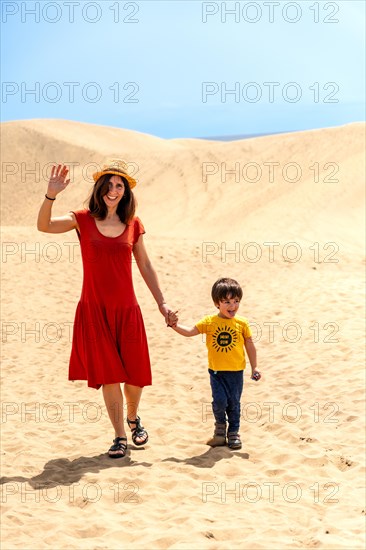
<point>298,482</point>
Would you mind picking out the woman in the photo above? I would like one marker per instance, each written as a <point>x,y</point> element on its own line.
<point>109,342</point>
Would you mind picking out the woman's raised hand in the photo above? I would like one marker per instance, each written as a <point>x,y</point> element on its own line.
<point>58,180</point>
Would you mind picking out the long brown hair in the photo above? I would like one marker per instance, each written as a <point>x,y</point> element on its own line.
<point>98,208</point>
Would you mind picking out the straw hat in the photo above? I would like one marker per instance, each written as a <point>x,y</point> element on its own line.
<point>116,167</point>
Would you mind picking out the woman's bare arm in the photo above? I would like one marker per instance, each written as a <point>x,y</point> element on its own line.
<point>150,277</point>
<point>61,224</point>
<point>147,271</point>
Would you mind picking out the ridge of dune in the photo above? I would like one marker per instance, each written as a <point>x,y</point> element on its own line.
<point>279,135</point>
<point>273,182</point>
<point>77,133</point>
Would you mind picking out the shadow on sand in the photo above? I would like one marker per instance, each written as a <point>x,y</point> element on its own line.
<point>62,471</point>
<point>209,458</point>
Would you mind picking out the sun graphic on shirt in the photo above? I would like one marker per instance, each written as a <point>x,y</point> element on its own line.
<point>224,339</point>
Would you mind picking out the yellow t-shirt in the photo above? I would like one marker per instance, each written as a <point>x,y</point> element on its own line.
<point>225,341</point>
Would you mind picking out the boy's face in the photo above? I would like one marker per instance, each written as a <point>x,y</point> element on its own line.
<point>228,307</point>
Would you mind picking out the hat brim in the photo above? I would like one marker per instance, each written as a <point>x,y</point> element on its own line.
<point>130,180</point>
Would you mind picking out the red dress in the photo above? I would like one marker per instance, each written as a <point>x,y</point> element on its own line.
<point>109,342</point>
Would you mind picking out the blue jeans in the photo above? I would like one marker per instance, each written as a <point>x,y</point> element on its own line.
<point>227,387</point>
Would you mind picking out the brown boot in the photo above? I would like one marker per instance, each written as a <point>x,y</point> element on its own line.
<point>219,437</point>
<point>234,440</point>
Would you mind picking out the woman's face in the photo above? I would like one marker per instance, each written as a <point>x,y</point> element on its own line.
<point>115,192</point>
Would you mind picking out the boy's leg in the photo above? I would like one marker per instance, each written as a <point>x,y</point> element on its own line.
<point>219,405</point>
<point>234,382</point>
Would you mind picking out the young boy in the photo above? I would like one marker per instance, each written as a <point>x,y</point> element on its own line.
<point>227,335</point>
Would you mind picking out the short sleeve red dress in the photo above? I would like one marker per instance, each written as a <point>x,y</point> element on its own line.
<point>109,342</point>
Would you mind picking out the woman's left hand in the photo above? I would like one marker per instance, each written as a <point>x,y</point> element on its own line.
<point>165,310</point>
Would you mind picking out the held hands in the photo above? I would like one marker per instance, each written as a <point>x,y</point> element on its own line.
<point>171,318</point>
<point>58,180</point>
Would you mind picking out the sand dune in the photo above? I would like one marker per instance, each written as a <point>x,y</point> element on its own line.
<point>298,482</point>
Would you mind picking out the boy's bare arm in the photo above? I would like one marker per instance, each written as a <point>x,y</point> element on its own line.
<point>252,353</point>
<point>181,329</point>
<point>186,331</point>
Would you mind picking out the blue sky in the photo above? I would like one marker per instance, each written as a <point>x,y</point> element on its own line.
<point>167,67</point>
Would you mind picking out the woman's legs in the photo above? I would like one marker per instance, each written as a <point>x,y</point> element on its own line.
<point>133,396</point>
<point>114,403</point>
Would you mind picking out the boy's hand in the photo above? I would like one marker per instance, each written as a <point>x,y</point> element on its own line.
<point>256,375</point>
<point>172,319</point>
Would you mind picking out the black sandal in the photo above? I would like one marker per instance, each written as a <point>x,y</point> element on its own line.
<point>119,447</point>
<point>138,431</point>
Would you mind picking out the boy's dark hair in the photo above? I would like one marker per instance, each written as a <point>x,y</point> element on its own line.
<point>226,288</point>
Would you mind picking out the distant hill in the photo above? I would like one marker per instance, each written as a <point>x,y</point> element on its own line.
<point>303,185</point>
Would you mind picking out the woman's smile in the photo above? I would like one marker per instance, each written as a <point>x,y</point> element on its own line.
<point>115,186</point>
